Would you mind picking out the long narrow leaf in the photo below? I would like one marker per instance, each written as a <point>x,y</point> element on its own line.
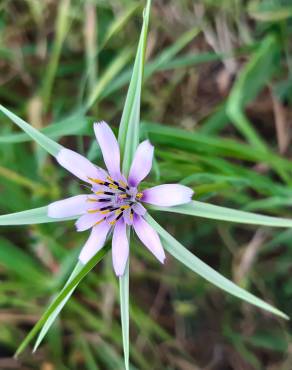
<point>124,303</point>
<point>51,319</point>
<point>178,251</point>
<point>48,144</point>
<point>207,210</point>
<point>32,216</point>
<point>61,297</point>
<point>129,126</point>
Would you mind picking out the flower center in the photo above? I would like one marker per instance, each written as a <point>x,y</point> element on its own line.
<point>113,199</point>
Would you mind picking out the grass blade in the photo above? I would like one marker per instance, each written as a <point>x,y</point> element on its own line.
<point>124,304</point>
<point>179,252</point>
<point>54,314</point>
<point>214,212</point>
<point>61,297</point>
<point>250,81</point>
<point>31,216</point>
<point>129,126</point>
<point>48,144</point>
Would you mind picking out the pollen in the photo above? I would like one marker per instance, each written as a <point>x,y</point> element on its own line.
<point>97,181</point>
<point>93,210</point>
<point>139,195</point>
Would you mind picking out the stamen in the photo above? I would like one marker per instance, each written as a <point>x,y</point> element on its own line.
<point>108,193</point>
<point>116,219</point>
<point>139,195</point>
<point>112,186</point>
<point>97,181</point>
<point>100,192</point>
<point>99,222</point>
<point>131,214</point>
<point>91,200</point>
<point>124,185</point>
<point>122,196</point>
<point>105,208</point>
<point>93,210</point>
<point>104,200</point>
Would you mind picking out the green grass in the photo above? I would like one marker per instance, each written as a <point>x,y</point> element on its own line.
<point>223,143</point>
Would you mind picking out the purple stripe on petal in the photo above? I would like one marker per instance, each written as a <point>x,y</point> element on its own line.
<point>109,147</point>
<point>78,165</point>
<point>167,195</point>
<point>87,220</point>
<point>95,242</point>
<point>73,206</point>
<point>149,237</point>
<point>120,248</point>
<point>142,163</point>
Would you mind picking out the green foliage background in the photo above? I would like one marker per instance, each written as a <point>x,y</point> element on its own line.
<point>217,105</point>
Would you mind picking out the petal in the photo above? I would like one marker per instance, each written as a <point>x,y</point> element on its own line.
<point>73,206</point>
<point>127,216</point>
<point>149,237</point>
<point>139,209</point>
<point>120,247</point>
<point>87,220</point>
<point>95,242</point>
<point>109,147</point>
<point>167,195</point>
<point>142,163</point>
<point>78,165</point>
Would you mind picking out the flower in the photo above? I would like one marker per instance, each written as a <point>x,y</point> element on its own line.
<point>115,202</point>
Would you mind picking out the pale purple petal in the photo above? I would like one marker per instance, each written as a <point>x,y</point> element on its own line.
<point>78,165</point>
<point>87,220</point>
<point>120,247</point>
<point>73,206</point>
<point>167,195</point>
<point>149,237</point>
<point>142,163</point>
<point>109,147</point>
<point>95,242</point>
<point>139,209</point>
<point>127,217</point>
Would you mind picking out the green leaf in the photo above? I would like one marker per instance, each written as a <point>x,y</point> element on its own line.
<point>58,301</point>
<point>75,124</point>
<point>213,212</point>
<point>129,125</point>
<point>124,304</point>
<point>179,252</point>
<point>31,216</point>
<point>255,74</point>
<point>22,264</point>
<point>48,144</point>
<point>53,315</point>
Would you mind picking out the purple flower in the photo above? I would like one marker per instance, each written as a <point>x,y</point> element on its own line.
<point>114,201</point>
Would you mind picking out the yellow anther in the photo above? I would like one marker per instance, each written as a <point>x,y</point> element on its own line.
<point>131,216</point>
<point>110,179</point>
<point>91,200</point>
<point>99,222</point>
<point>113,186</point>
<point>93,210</point>
<point>97,181</point>
<point>113,222</point>
<point>105,212</point>
<point>123,196</point>
<point>118,211</point>
<point>139,195</point>
<point>99,192</point>
<point>123,183</point>
<point>125,206</point>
